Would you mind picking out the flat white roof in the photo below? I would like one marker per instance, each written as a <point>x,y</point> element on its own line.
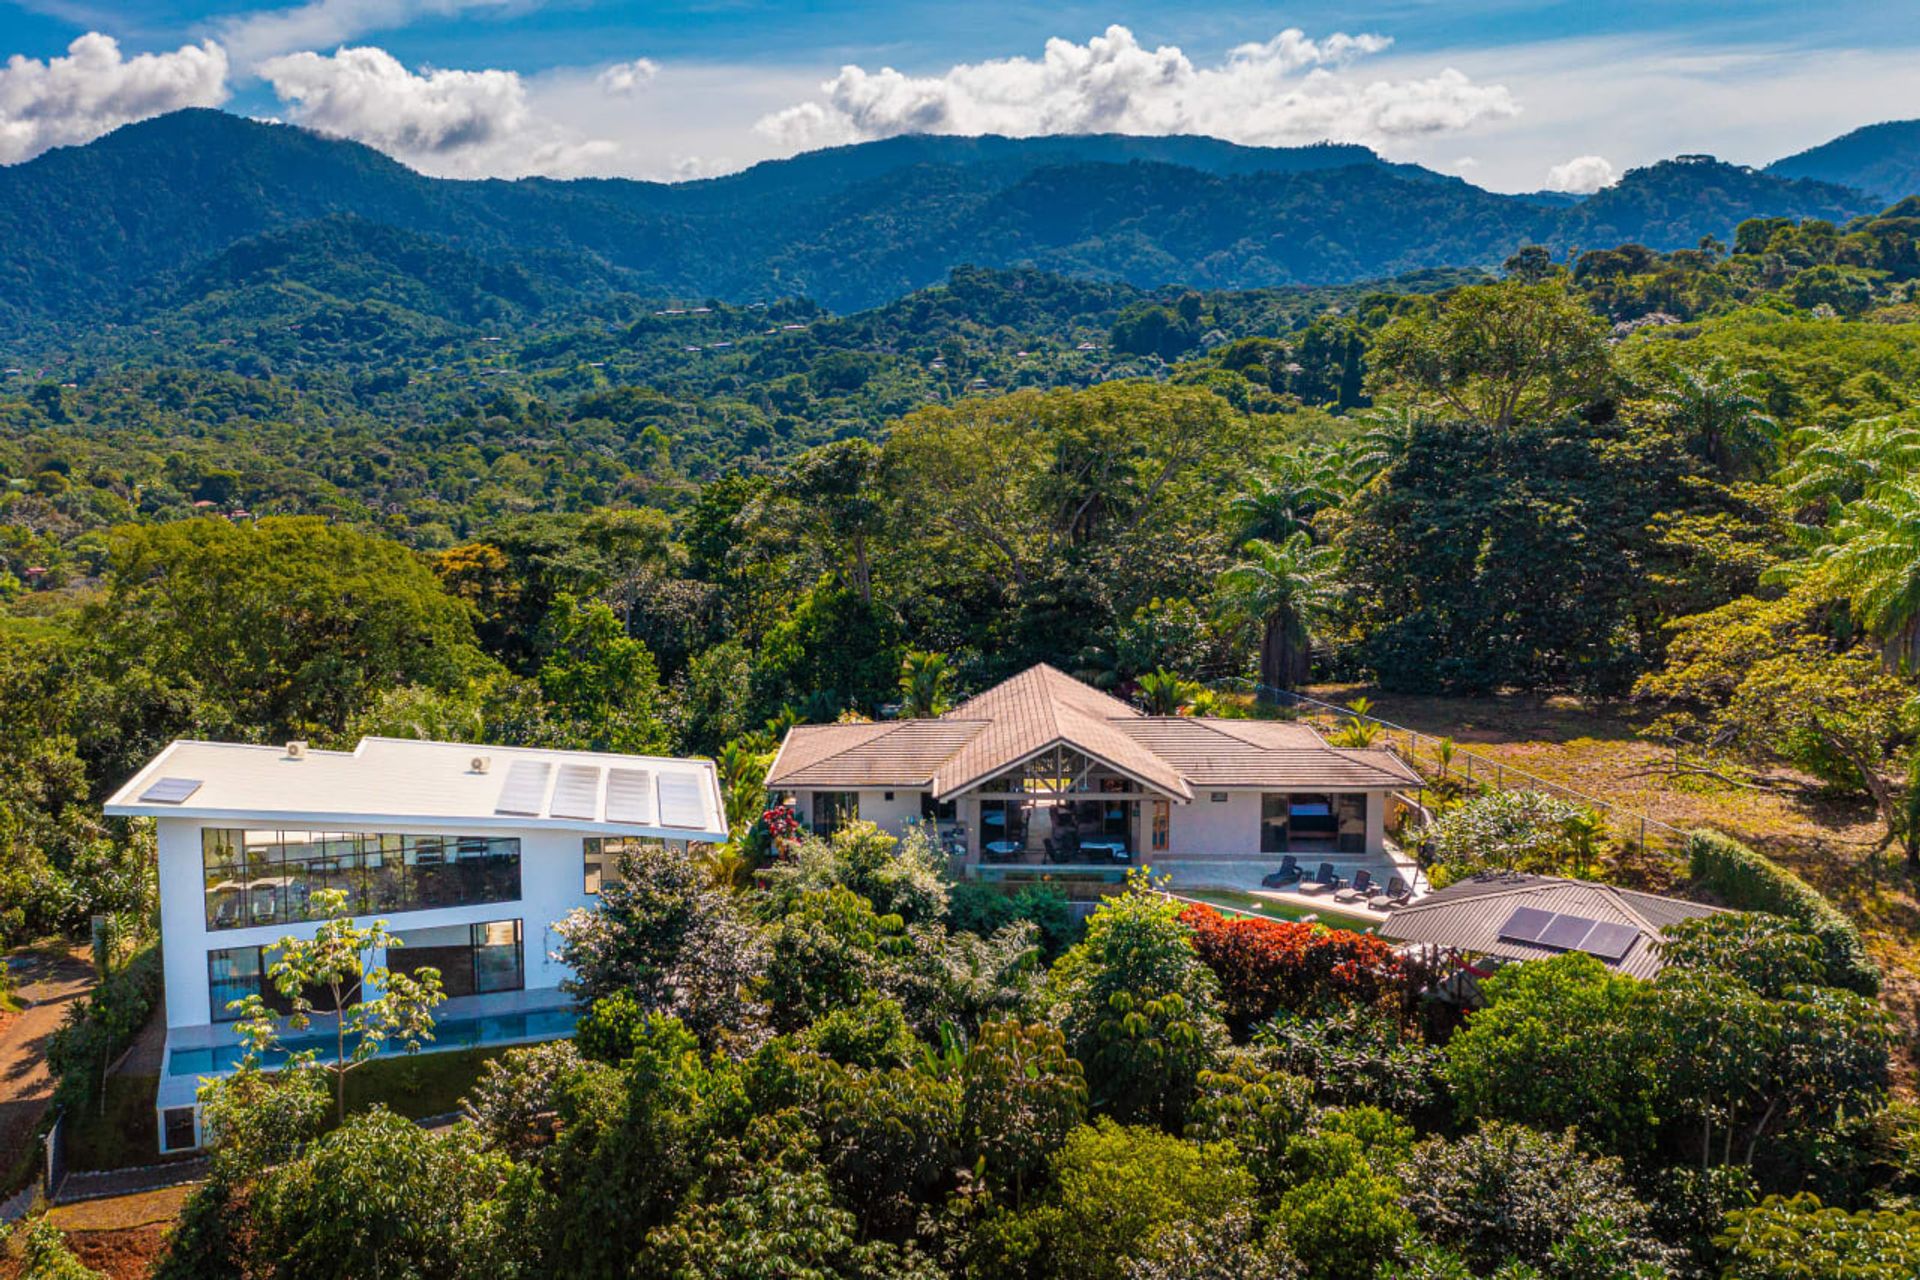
<point>397,781</point>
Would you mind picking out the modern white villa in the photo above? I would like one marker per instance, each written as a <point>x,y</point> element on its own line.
<point>471,853</point>
<point>1043,769</point>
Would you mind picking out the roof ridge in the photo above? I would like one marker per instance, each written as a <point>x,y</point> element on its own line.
<point>1620,896</point>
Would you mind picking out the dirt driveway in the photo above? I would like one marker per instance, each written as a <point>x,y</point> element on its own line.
<point>46,980</point>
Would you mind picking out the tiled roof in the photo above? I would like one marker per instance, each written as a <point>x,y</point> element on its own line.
<point>1468,916</point>
<point>1246,753</point>
<point>1042,707</point>
<point>899,753</point>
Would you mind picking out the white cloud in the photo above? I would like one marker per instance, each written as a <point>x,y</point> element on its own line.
<point>1287,90</point>
<point>451,123</point>
<point>252,38</point>
<point>93,90</point>
<point>1582,175</point>
<point>623,78</point>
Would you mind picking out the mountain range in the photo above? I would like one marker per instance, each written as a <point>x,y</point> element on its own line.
<point>165,213</point>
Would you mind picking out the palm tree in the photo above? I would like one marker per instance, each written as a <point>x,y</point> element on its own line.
<point>1287,587</point>
<point>1385,435</point>
<point>1304,483</point>
<point>1163,693</point>
<point>926,685</point>
<point>1722,415</point>
<point>1838,467</point>
<point>743,782</point>
<point>1873,559</point>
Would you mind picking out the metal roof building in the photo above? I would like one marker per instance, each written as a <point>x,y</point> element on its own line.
<point>1530,917</point>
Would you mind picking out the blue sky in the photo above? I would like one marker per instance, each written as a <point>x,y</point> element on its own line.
<point>1510,95</point>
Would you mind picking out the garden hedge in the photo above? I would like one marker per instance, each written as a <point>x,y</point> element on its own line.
<point>1749,881</point>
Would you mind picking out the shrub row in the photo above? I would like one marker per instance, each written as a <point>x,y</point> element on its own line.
<point>1751,882</point>
<point>1265,966</point>
<point>101,1025</point>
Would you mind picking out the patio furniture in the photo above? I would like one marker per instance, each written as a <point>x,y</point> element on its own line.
<point>1003,848</point>
<point>1396,895</point>
<point>1362,887</point>
<point>1323,880</point>
<point>1105,850</point>
<point>1289,873</point>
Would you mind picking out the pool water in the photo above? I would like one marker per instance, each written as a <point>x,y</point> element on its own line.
<point>1255,905</point>
<point>453,1033</point>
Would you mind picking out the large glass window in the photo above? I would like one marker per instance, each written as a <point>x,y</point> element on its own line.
<point>600,857</point>
<point>270,877</point>
<point>1273,823</point>
<point>472,959</point>
<point>234,974</point>
<point>833,810</point>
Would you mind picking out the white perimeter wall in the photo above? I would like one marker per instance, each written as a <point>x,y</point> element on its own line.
<point>550,886</point>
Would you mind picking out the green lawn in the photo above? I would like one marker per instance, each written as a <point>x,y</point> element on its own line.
<point>419,1085</point>
<point>120,1135</point>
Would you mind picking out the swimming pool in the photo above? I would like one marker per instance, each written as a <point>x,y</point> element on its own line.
<point>452,1033</point>
<point>1276,909</point>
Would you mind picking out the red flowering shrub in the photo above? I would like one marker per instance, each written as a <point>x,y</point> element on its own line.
<point>1265,966</point>
<point>782,825</point>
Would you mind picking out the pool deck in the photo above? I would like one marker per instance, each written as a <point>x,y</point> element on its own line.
<point>1243,874</point>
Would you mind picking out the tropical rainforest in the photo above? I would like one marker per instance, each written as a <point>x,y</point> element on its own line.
<point>353,468</point>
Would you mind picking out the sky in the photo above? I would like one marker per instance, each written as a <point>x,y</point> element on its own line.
<point>1509,95</point>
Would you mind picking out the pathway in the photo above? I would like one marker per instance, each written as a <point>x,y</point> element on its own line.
<point>46,980</point>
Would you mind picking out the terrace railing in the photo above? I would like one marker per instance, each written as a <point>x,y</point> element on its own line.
<point>1437,758</point>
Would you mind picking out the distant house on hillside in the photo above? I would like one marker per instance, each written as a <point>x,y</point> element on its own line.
<point>1510,916</point>
<point>1043,768</point>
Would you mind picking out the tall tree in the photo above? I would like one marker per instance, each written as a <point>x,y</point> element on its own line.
<point>1496,354</point>
<point>1722,415</point>
<point>1873,561</point>
<point>1286,588</point>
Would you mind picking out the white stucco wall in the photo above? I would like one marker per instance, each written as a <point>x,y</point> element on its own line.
<point>550,886</point>
<point>1206,827</point>
<point>891,815</point>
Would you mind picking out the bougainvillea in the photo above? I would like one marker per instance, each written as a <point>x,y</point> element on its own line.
<point>1265,966</point>
<point>782,826</point>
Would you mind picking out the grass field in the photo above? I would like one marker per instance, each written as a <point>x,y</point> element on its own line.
<point>1597,748</point>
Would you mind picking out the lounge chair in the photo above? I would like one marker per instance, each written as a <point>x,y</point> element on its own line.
<point>1289,873</point>
<point>1396,895</point>
<point>1323,880</point>
<point>1362,887</point>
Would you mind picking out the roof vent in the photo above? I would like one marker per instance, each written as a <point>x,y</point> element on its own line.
<point>297,749</point>
<point>479,764</point>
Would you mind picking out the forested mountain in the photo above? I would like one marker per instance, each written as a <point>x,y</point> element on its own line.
<point>1882,160</point>
<point>136,219</point>
<point>297,444</point>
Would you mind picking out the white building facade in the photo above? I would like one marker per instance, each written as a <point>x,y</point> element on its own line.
<point>471,854</point>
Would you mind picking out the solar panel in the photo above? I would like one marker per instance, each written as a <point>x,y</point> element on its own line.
<point>630,796</point>
<point>680,802</point>
<point>170,790</point>
<point>1610,941</point>
<point>525,789</point>
<point>1566,932</point>
<point>1525,924</point>
<point>576,794</point>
